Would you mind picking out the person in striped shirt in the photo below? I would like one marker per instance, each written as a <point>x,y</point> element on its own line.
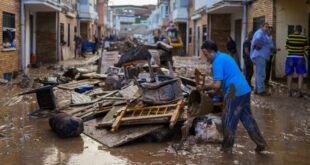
<point>296,44</point>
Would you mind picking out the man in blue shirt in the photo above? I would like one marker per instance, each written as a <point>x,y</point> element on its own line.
<point>227,75</point>
<point>260,54</point>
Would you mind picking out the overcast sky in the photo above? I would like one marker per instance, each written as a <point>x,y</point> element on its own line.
<point>132,2</point>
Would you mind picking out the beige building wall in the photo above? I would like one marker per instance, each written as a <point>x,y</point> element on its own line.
<point>288,12</point>
<point>73,23</point>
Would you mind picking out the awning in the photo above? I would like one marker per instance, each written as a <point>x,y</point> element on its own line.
<point>36,5</point>
<point>70,15</point>
<point>196,16</point>
<point>225,8</point>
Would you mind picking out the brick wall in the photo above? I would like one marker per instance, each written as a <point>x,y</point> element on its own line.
<point>204,21</point>
<point>73,23</point>
<point>10,61</point>
<point>46,37</point>
<point>261,8</point>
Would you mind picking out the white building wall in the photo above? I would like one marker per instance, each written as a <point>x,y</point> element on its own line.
<point>289,13</point>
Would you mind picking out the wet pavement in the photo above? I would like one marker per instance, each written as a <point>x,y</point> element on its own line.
<point>284,122</point>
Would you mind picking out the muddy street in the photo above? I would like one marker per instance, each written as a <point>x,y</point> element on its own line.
<point>283,121</point>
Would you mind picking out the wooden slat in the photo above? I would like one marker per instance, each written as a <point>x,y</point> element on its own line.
<point>160,106</point>
<point>117,121</point>
<point>145,117</point>
<point>175,116</point>
<point>165,110</point>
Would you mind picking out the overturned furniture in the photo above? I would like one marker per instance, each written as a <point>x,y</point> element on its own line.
<point>146,115</point>
<point>164,90</point>
<point>45,98</point>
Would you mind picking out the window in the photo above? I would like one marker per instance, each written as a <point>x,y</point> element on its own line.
<point>257,22</point>
<point>190,35</point>
<point>204,33</point>
<point>167,12</point>
<point>9,30</point>
<point>290,29</point>
<point>69,34</point>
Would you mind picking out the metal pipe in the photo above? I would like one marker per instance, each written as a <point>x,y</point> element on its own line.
<point>245,24</point>
<point>58,37</point>
<point>22,21</point>
<point>187,34</point>
<point>78,16</point>
<point>245,12</point>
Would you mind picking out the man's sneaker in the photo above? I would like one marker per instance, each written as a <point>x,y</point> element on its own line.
<point>264,94</point>
<point>261,148</point>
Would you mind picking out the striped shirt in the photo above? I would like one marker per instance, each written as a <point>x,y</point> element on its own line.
<point>296,45</point>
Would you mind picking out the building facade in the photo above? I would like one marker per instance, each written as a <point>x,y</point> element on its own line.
<point>88,17</point>
<point>218,19</point>
<point>125,17</point>
<point>10,36</point>
<point>102,18</point>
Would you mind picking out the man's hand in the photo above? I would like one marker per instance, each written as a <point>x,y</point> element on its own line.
<point>201,87</point>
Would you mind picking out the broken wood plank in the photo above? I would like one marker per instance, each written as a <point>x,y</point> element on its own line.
<point>123,135</point>
<point>77,98</point>
<point>176,113</point>
<point>107,60</point>
<point>93,75</point>
<point>135,122</point>
<point>77,110</point>
<point>130,92</point>
<point>95,112</point>
<point>117,121</point>
<point>73,85</point>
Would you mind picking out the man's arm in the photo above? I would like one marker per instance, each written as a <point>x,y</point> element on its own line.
<point>247,51</point>
<point>257,41</point>
<point>216,84</point>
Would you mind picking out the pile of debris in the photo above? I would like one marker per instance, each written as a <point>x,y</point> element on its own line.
<point>132,95</point>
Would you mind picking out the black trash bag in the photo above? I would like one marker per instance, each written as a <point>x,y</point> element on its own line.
<point>72,73</point>
<point>66,125</point>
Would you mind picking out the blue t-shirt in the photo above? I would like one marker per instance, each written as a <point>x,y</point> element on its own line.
<point>260,39</point>
<point>226,69</point>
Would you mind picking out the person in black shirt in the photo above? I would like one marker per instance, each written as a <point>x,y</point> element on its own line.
<point>247,59</point>
<point>232,49</point>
